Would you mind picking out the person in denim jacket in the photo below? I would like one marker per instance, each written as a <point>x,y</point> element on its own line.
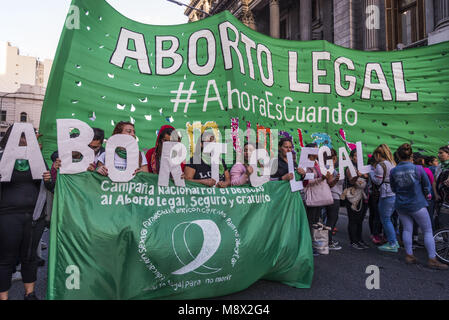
<point>412,188</point>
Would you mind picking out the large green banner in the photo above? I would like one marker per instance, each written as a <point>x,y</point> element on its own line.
<point>136,240</point>
<point>219,73</point>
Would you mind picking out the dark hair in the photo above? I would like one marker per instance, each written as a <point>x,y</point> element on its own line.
<point>4,141</point>
<point>418,158</point>
<point>164,132</point>
<point>352,153</point>
<point>311,145</point>
<point>282,140</point>
<point>405,152</point>
<point>444,149</point>
<point>119,127</point>
<point>430,159</point>
<point>98,134</point>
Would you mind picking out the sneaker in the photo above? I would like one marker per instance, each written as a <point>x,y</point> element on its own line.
<point>334,246</point>
<point>357,246</point>
<point>335,242</point>
<point>389,247</point>
<point>364,245</point>
<point>16,276</point>
<point>377,240</point>
<point>435,264</point>
<point>30,296</point>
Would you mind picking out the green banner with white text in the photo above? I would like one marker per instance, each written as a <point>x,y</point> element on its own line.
<point>219,73</point>
<point>136,240</point>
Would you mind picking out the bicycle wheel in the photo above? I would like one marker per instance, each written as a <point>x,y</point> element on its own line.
<point>441,238</point>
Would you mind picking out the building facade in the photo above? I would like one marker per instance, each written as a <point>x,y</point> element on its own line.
<point>23,81</point>
<point>371,25</point>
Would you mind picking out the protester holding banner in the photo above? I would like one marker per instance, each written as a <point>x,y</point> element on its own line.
<point>316,189</point>
<point>120,154</point>
<point>357,215</point>
<point>384,162</point>
<point>153,155</point>
<point>22,222</point>
<point>332,211</point>
<point>240,172</point>
<point>412,187</point>
<point>285,146</point>
<point>202,172</point>
<point>96,145</point>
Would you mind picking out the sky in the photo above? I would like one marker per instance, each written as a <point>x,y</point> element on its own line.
<point>35,26</point>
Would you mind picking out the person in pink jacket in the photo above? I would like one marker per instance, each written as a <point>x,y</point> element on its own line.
<point>240,172</point>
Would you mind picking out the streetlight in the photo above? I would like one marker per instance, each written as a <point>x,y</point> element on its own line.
<point>186,5</point>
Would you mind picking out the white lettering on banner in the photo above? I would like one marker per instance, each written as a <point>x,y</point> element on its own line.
<point>140,54</point>
<point>176,153</point>
<point>171,165</point>
<point>236,44</point>
<point>68,145</point>
<point>13,151</point>
<point>294,185</point>
<point>262,106</point>
<point>128,143</point>
<point>170,54</point>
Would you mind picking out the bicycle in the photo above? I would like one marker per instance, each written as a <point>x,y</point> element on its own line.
<point>441,238</point>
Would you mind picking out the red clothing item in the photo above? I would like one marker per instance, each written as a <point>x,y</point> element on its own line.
<point>429,174</point>
<point>153,163</point>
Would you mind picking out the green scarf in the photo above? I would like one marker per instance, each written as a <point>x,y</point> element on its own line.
<point>22,165</point>
<point>445,165</point>
<point>207,160</point>
<point>121,153</point>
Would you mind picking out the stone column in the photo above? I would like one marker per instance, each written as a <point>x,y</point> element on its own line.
<point>441,32</point>
<point>372,25</point>
<point>305,19</point>
<point>247,15</point>
<point>441,8</point>
<point>275,23</point>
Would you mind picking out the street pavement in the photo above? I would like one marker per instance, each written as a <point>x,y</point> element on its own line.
<point>341,275</point>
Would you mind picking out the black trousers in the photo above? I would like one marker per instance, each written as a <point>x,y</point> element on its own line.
<point>19,238</point>
<point>332,216</point>
<point>313,215</point>
<point>355,222</point>
<point>375,225</point>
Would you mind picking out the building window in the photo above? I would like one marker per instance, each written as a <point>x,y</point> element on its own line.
<point>405,23</point>
<point>3,115</point>
<point>23,117</point>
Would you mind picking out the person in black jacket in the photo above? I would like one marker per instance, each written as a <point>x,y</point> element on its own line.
<point>21,223</point>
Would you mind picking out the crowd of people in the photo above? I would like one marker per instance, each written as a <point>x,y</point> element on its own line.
<point>404,192</point>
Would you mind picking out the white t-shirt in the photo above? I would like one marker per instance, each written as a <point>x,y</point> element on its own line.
<point>119,162</point>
